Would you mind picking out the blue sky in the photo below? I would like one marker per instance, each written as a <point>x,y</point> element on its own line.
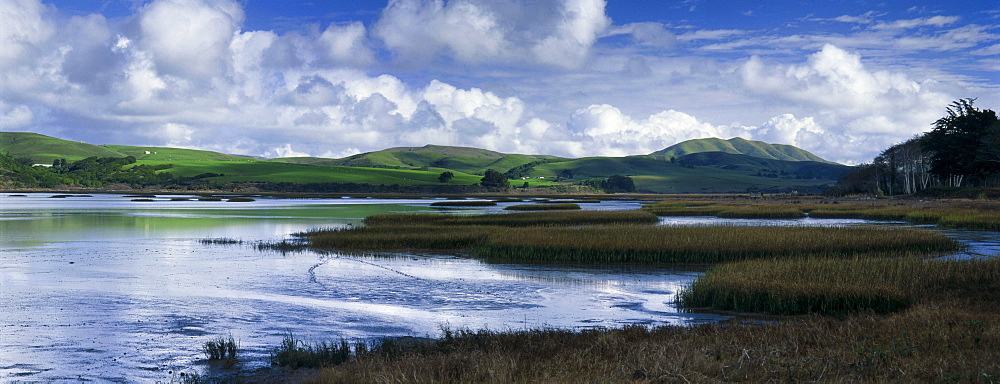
<point>843,79</point>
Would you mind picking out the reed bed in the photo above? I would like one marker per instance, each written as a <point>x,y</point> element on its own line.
<point>544,207</point>
<point>934,342</point>
<point>458,203</point>
<point>560,238</point>
<point>839,286</point>
<point>704,244</point>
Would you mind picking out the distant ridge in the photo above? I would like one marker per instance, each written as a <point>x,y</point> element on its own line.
<point>741,146</point>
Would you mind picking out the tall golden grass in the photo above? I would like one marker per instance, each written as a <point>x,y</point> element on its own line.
<point>703,244</point>
<point>935,342</point>
<point>563,237</point>
<point>838,286</point>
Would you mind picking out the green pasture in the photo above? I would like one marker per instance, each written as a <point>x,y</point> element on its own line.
<point>265,171</point>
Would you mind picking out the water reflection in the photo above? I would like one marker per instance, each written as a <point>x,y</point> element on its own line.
<point>107,289</point>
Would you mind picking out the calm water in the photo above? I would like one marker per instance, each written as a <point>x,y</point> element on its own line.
<point>105,289</point>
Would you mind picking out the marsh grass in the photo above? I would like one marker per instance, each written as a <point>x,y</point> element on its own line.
<point>543,207</point>
<point>933,342</point>
<point>221,348</point>
<point>296,353</point>
<point>831,286</point>
<point>897,317</point>
<point>612,237</point>
<point>704,244</point>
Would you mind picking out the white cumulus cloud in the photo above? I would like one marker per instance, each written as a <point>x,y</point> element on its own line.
<point>882,106</point>
<point>190,37</point>
<point>550,32</point>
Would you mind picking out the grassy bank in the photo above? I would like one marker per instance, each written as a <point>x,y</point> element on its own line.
<point>927,343</point>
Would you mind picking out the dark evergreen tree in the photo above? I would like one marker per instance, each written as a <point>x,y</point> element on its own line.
<point>494,179</point>
<point>956,144</point>
<point>446,176</point>
<point>618,184</point>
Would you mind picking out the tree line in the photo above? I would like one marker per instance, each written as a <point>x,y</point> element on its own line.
<point>962,150</point>
<point>89,172</point>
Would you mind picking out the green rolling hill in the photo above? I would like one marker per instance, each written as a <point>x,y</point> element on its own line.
<point>173,154</point>
<point>706,172</point>
<point>43,149</point>
<point>694,166</point>
<point>462,159</point>
<point>740,146</point>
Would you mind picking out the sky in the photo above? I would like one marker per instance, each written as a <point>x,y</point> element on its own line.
<point>574,78</point>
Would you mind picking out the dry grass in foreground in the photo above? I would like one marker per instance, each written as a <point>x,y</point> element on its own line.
<point>927,343</point>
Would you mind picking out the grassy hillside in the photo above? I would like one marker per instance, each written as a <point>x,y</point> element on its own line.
<point>173,154</point>
<point>740,146</point>
<point>462,159</point>
<point>303,173</point>
<point>766,167</point>
<point>696,166</point>
<point>43,149</point>
<point>696,174</point>
<point>451,151</point>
